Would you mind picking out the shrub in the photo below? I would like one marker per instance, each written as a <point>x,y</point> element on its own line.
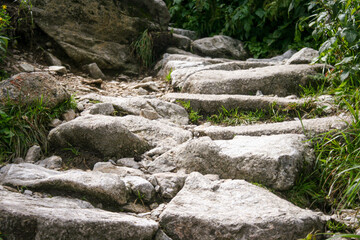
<point>4,25</point>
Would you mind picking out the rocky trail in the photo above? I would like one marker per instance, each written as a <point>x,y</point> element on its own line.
<point>141,170</point>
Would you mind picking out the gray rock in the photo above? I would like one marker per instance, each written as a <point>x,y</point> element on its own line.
<point>160,235</point>
<point>33,154</point>
<point>128,162</point>
<point>140,188</point>
<point>94,71</point>
<point>279,59</point>
<point>187,33</point>
<point>312,127</point>
<point>274,161</point>
<point>58,69</point>
<point>69,115</point>
<point>148,106</point>
<point>101,109</point>
<point>173,50</point>
<point>305,55</point>
<point>18,160</point>
<point>25,67</point>
<point>279,80</point>
<point>156,133</point>
<point>103,135</point>
<point>106,167</point>
<point>27,88</point>
<point>180,41</point>
<point>53,162</point>
<point>107,188</point>
<point>83,37</point>
<point>170,183</point>
<point>52,60</point>
<point>25,217</point>
<point>220,47</point>
<point>234,209</point>
<point>212,104</point>
<point>55,122</point>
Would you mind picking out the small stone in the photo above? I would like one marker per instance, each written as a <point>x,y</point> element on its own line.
<point>141,91</point>
<point>147,79</point>
<point>33,154</point>
<point>160,235</point>
<point>292,97</point>
<point>94,71</point>
<point>28,192</point>
<point>52,60</point>
<point>80,107</point>
<point>53,162</point>
<point>58,69</point>
<point>154,206</point>
<point>18,160</point>
<point>102,109</point>
<point>259,93</point>
<point>128,162</point>
<point>152,115</point>
<point>55,122</point>
<point>69,115</point>
<point>27,67</point>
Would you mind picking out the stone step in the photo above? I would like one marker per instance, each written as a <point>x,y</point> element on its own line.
<point>274,161</point>
<point>212,104</point>
<point>311,126</point>
<point>234,209</point>
<point>281,80</point>
<point>34,217</point>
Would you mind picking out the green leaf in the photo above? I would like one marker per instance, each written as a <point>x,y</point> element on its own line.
<point>351,36</point>
<point>260,13</point>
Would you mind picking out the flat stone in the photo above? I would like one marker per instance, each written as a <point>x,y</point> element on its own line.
<point>53,162</point>
<point>212,104</point>
<point>305,55</point>
<point>107,188</point>
<point>312,127</point>
<point>140,188</point>
<point>135,105</point>
<point>27,67</point>
<point>279,80</point>
<point>274,161</point>
<point>101,109</point>
<point>234,209</point>
<point>107,167</point>
<point>184,32</point>
<point>103,135</point>
<point>58,69</point>
<point>26,217</point>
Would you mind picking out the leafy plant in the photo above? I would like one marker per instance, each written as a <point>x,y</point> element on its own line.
<point>168,77</point>
<point>4,25</point>
<point>194,116</point>
<point>23,126</point>
<point>143,49</point>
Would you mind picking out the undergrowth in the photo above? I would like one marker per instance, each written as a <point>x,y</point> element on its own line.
<point>23,126</point>
<point>142,48</point>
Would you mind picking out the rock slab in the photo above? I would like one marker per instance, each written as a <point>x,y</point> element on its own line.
<point>234,209</point>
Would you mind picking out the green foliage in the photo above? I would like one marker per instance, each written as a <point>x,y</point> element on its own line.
<point>193,115</point>
<point>23,126</point>
<point>336,24</point>
<point>4,25</point>
<point>265,26</point>
<point>143,49</point>
<point>168,77</point>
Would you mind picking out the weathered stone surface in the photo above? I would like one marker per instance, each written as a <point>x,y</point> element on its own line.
<point>107,188</point>
<point>180,41</point>
<point>53,162</point>
<point>25,217</point>
<point>157,134</point>
<point>187,33</point>
<point>69,115</point>
<point>140,188</point>
<point>52,60</point>
<point>282,80</point>
<point>26,67</point>
<point>312,127</point>
<point>277,59</point>
<point>128,162</point>
<point>94,71</point>
<point>80,31</point>
<point>220,47</point>
<point>103,135</point>
<point>100,108</point>
<point>305,55</point>
<point>170,183</point>
<point>174,50</point>
<point>106,167</point>
<point>212,104</point>
<point>270,160</point>
<point>27,88</point>
<point>137,105</point>
<point>234,209</point>
<point>33,154</point>
<point>58,69</point>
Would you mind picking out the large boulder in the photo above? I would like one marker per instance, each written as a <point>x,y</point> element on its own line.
<point>100,31</point>
<point>281,80</point>
<point>104,135</point>
<point>274,161</point>
<point>109,189</point>
<point>234,209</point>
<point>220,47</point>
<point>27,88</point>
<point>27,217</point>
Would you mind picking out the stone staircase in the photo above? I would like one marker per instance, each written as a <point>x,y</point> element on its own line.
<point>168,179</point>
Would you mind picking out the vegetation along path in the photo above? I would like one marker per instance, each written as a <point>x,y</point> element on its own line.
<point>208,143</point>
